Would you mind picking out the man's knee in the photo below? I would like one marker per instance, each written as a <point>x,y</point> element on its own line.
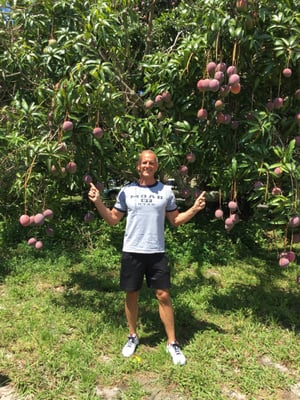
<point>163,296</point>
<point>132,295</point>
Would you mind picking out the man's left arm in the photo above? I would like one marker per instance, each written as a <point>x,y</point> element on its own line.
<point>177,218</point>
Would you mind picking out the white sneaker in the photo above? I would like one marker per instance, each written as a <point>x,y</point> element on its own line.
<point>130,346</point>
<point>176,353</point>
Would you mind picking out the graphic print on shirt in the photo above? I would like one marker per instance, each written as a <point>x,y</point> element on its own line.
<point>145,199</point>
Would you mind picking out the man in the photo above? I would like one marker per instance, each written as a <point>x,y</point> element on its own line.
<point>146,203</point>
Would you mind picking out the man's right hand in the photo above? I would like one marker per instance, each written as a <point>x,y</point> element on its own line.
<point>94,194</point>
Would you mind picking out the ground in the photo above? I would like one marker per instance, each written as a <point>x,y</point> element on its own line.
<point>155,391</point>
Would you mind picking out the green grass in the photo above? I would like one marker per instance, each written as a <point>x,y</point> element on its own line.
<point>63,325</point>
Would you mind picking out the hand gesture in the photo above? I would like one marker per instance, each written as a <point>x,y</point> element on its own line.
<point>200,202</point>
<point>94,193</point>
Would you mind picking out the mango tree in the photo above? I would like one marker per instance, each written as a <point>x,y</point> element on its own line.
<point>212,86</point>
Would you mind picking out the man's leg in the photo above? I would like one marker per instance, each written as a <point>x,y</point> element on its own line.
<point>131,310</point>
<point>166,313</point>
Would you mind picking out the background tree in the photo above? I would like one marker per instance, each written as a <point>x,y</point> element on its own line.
<point>213,86</point>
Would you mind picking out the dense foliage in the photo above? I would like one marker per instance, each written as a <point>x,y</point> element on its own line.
<point>132,70</point>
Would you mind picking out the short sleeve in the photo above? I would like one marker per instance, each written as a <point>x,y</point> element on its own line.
<point>171,205</point>
<point>120,203</point>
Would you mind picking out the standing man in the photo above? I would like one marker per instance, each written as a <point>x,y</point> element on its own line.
<point>146,203</point>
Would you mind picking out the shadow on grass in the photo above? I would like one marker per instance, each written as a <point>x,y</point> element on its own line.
<point>99,292</point>
<point>185,322</point>
<point>269,299</point>
<point>266,300</point>
<point>102,282</point>
<point>98,289</point>
<point>266,303</point>
<point>4,380</point>
<point>5,269</point>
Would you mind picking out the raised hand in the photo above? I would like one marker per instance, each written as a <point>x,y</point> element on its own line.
<point>200,202</point>
<point>94,193</point>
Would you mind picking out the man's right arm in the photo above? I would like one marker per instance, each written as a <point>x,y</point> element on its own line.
<point>111,216</point>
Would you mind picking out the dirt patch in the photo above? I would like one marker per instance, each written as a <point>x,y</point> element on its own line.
<point>294,392</point>
<point>233,394</point>
<point>155,390</point>
<point>149,383</point>
<point>109,393</point>
<point>7,392</point>
<point>295,389</point>
<point>267,361</point>
<point>211,273</point>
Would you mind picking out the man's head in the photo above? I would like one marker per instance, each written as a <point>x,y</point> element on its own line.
<point>147,152</point>
<point>147,164</point>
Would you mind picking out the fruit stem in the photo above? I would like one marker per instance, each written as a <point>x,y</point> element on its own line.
<point>233,190</point>
<point>203,98</point>
<point>285,238</point>
<point>59,136</point>
<point>279,84</point>
<point>188,63</point>
<point>220,198</point>
<point>267,187</point>
<point>288,59</point>
<point>295,190</point>
<point>27,177</point>
<point>52,26</point>
<point>234,53</point>
<point>217,44</point>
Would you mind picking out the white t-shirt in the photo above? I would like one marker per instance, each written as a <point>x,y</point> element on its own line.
<point>146,208</point>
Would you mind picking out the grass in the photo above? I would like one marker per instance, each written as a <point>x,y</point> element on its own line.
<point>63,325</point>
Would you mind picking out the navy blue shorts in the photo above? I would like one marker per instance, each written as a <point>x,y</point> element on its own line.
<point>136,266</point>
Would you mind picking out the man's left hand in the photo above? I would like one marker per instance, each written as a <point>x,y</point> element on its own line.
<point>200,202</point>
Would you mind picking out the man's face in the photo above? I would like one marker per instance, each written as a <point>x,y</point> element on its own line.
<point>147,165</point>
